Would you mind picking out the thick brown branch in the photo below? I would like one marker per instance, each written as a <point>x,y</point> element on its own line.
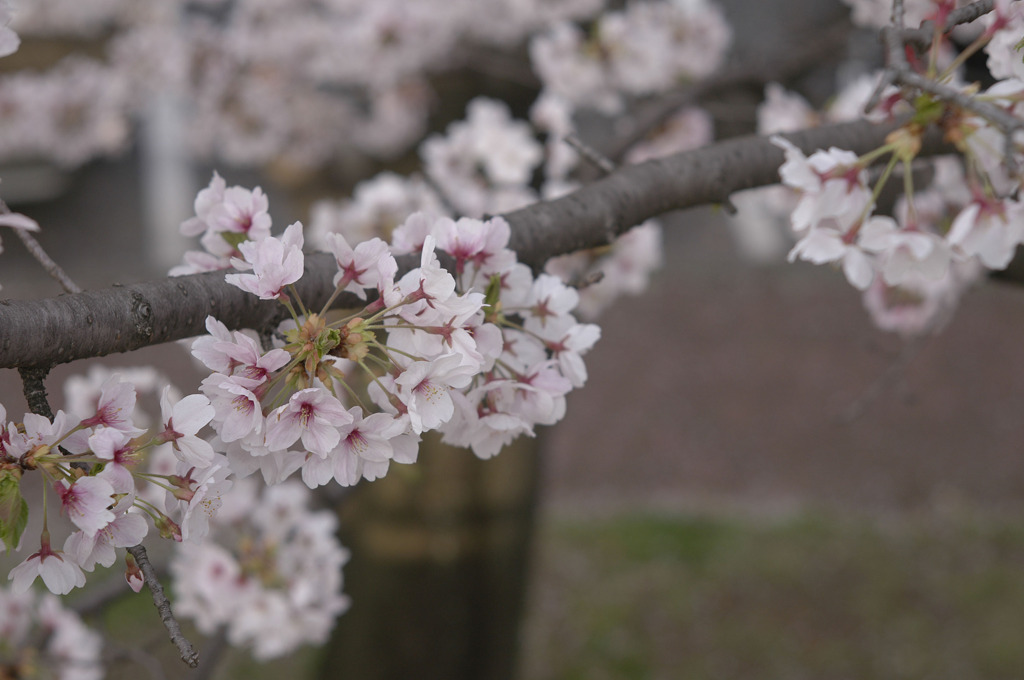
<point>97,323</point>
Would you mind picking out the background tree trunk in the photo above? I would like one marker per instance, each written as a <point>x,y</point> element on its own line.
<point>439,566</point>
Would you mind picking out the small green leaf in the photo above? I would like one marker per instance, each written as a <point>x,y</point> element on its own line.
<point>13,509</point>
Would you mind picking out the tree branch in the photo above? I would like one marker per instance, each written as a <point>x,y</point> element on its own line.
<point>34,388</point>
<point>898,71</point>
<point>121,319</point>
<point>36,249</point>
<point>923,35</point>
<point>189,654</point>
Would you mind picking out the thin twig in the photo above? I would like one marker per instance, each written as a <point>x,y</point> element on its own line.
<point>897,13</point>
<point>188,652</point>
<point>592,155</point>
<point>922,36</point>
<point>899,72</point>
<point>36,249</point>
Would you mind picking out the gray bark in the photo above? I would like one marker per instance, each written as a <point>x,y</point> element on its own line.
<point>43,333</point>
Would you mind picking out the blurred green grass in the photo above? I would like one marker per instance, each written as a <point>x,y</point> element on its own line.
<point>644,597</point>
<point>640,596</point>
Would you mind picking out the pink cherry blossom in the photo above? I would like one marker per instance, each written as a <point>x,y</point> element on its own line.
<point>312,414</point>
<point>181,421</point>
<point>237,409</point>
<point>275,264</point>
<point>59,572</point>
<point>115,406</point>
<point>239,211</point>
<point>206,489</point>
<point>424,389</point>
<point>367,265</point>
<point>207,350</point>
<point>821,245</point>
<point>990,229</point>
<point>905,254</point>
<point>126,530</point>
<point>205,201</point>
<point>86,501</point>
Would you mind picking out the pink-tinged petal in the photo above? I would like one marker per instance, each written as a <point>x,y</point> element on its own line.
<point>60,574</point>
<point>859,269</point>
<point>195,452</point>
<point>282,429</point>
<point>80,547</point>
<point>127,530</point>
<point>192,413</point>
<point>406,448</point>
<point>317,471</point>
<point>86,502</point>
<point>321,437</point>
<point>134,579</point>
<point>347,468</point>
<point>24,574</point>
<point>818,246</point>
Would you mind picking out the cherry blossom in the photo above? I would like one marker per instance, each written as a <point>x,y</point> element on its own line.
<point>86,501</point>
<point>368,265</point>
<point>115,406</point>
<point>59,572</point>
<point>42,638</point>
<point>237,411</point>
<point>424,389</point>
<point>312,415</point>
<point>275,263</point>
<point>202,498</point>
<point>124,531</point>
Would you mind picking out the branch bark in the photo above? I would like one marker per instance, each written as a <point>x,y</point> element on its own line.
<point>189,654</point>
<point>43,333</point>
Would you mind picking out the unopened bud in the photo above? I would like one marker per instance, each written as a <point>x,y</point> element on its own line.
<point>168,528</point>
<point>132,573</point>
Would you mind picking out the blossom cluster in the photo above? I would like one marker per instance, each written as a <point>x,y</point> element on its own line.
<point>269,572</point>
<point>90,464</point>
<point>482,353</point>
<point>304,81</point>
<point>40,638</point>
<point>913,259</point>
<point>646,48</point>
<point>115,480</point>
